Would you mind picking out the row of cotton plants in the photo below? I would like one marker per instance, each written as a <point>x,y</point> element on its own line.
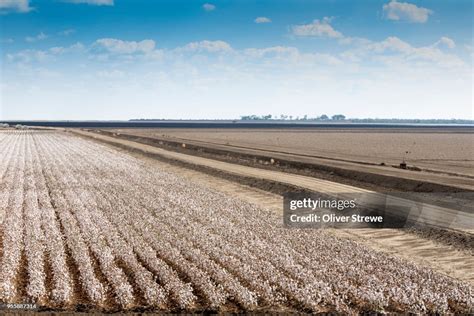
<point>80,217</point>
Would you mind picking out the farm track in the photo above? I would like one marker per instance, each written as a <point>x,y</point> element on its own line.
<point>332,149</point>
<point>326,155</point>
<point>86,226</point>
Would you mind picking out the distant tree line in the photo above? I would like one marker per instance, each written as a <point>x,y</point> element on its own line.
<point>342,118</point>
<point>324,117</point>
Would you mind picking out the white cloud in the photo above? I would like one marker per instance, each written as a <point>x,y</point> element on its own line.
<point>445,41</point>
<point>41,36</point>
<point>246,80</point>
<point>155,55</point>
<point>92,2</point>
<point>271,51</point>
<point>389,52</point>
<point>404,11</point>
<point>318,58</point>
<point>75,48</point>
<point>394,51</point>
<point>117,46</point>
<point>208,46</point>
<point>292,55</point>
<point>28,56</point>
<point>21,6</point>
<point>7,40</point>
<point>391,43</point>
<point>33,55</point>
<point>67,32</point>
<point>57,50</point>
<point>208,7</point>
<point>262,19</point>
<point>319,28</point>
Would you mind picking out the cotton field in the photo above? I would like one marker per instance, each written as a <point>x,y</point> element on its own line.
<point>86,227</point>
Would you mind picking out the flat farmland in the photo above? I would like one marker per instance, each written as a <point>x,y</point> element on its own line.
<point>84,226</point>
<point>444,150</point>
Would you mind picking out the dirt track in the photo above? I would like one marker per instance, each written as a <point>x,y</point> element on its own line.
<point>361,174</point>
<point>449,259</point>
<point>442,151</point>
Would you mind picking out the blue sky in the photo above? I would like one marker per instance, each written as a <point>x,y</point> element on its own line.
<point>121,59</point>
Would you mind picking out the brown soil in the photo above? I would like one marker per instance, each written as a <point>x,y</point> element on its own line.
<point>362,174</point>
<point>442,150</point>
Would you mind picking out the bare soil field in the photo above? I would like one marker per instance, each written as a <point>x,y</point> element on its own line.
<point>84,226</point>
<point>445,150</point>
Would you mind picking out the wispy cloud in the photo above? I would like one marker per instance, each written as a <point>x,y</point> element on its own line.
<point>41,36</point>
<point>92,2</point>
<point>446,42</point>
<point>262,19</point>
<point>67,32</point>
<point>117,46</point>
<point>28,56</point>
<point>292,56</point>
<point>20,6</point>
<point>208,7</point>
<point>35,55</point>
<point>74,48</point>
<point>275,51</point>
<point>394,51</point>
<point>404,11</point>
<point>318,28</point>
<point>207,46</point>
<point>365,73</point>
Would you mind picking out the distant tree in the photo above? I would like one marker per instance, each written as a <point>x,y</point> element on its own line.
<point>324,117</point>
<point>338,117</point>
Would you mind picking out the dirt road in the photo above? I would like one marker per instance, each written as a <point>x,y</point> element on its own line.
<point>294,160</point>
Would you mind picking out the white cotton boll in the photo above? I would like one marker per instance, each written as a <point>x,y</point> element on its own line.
<point>132,228</point>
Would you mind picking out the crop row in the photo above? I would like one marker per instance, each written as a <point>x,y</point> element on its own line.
<point>82,222</point>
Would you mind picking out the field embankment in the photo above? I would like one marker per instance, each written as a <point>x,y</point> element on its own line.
<point>367,159</point>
